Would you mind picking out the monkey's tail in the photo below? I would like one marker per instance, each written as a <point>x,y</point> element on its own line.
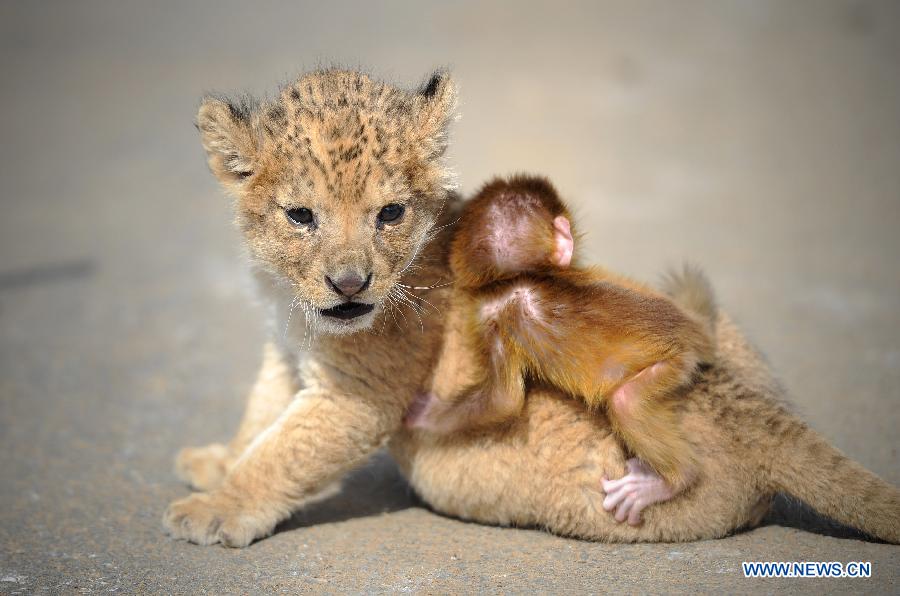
<point>690,289</point>
<point>808,468</point>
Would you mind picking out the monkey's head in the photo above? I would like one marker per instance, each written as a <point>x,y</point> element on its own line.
<point>511,226</point>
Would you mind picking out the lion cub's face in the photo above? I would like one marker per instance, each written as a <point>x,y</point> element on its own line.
<point>338,183</point>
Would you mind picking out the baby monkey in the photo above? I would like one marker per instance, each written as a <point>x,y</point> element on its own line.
<point>519,311</point>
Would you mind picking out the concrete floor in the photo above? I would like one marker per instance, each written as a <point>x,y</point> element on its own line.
<point>760,139</point>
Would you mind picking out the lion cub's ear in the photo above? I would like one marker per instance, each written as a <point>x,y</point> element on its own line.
<point>226,131</point>
<point>437,105</point>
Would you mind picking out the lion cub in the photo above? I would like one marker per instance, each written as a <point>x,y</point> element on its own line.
<point>521,311</point>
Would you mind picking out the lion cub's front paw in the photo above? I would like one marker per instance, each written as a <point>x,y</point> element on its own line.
<point>203,468</point>
<point>207,518</point>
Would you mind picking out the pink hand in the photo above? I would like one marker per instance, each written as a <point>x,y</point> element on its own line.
<point>418,412</point>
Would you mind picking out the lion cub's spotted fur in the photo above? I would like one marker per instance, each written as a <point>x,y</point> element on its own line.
<point>344,145</point>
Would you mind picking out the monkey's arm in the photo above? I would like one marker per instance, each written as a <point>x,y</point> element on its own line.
<point>470,386</point>
<point>499,397</point>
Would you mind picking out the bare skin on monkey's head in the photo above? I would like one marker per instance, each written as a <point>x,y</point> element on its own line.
<point>521,310</point>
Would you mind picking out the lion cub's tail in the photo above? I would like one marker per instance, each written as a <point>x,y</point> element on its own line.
<point>805,466</point>
<point>800,462</point>
<point>690,289</point>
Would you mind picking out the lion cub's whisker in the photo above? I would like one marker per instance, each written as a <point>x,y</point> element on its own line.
<point>404,300</point>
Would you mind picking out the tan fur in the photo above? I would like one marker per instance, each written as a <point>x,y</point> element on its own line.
<point>357,380</point>
<point>543,470</point>
<point>522,315</point>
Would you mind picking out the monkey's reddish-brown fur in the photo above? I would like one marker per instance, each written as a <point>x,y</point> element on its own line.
<point>599,338</point>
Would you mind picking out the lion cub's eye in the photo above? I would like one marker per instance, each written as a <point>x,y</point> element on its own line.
<point>300,216</point>
<point>391,213</point>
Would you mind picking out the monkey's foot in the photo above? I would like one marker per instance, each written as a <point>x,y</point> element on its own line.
<point>639,488</point>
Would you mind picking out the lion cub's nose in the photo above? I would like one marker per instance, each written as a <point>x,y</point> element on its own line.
<point>349,285</point>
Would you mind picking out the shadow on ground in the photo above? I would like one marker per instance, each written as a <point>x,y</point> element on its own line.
<point>374,489</point>
<point>379,488</point>
<point>788,512</point>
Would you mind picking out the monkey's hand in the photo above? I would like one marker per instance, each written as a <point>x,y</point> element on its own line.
<point>473,408</point>
<point>419,413</point>
<point>433,413</point>
<point>630,494</point>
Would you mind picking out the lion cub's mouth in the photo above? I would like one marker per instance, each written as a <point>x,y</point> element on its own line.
<point>348,310</point>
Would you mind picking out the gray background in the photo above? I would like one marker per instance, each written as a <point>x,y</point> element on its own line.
<point>759,139</point>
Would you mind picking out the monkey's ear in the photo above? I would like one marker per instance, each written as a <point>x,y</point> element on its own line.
<point>226,131</point>
<point>436,99</point>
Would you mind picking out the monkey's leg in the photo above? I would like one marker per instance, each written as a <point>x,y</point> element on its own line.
<point>203,468</point>
<point>642,416</point>
<point>640,487</point>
